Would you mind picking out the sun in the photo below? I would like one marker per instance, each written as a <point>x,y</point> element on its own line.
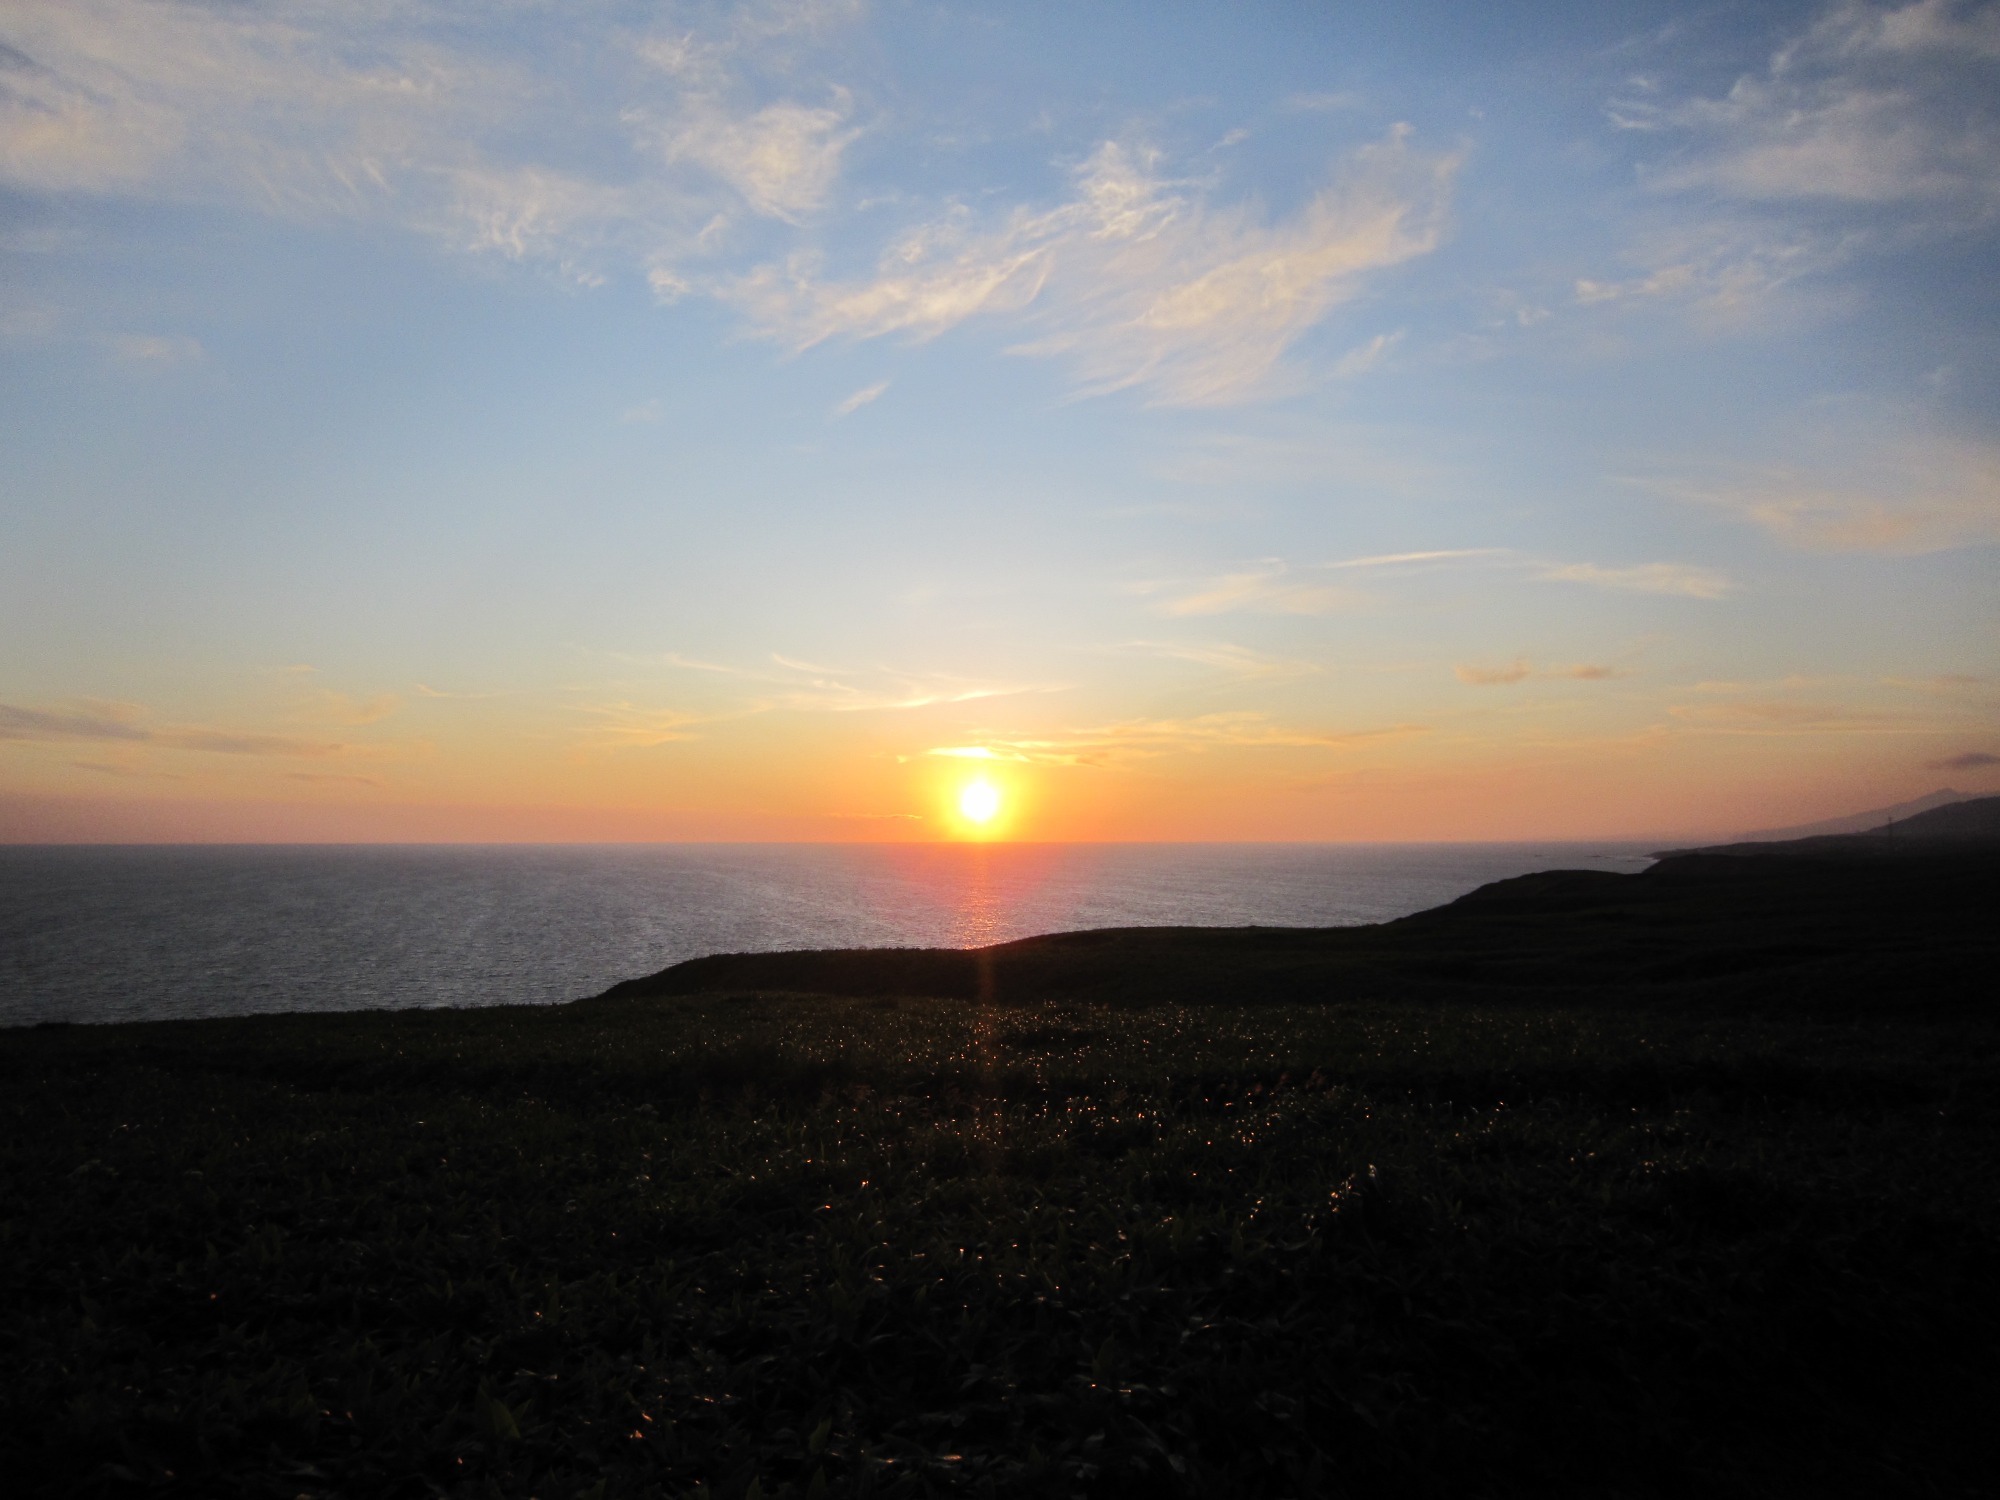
<point>979,801</point>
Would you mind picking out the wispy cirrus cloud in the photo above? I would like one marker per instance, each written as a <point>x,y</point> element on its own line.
<point>1292,453</point>
<point>789,683</point>
<point>1521,670</point>
<point>1870,104</point>
<point>861,398</point>
<point>816,689</point>
<point>1138,280</point>
<point>1502,676</point>
<point>126,724</point>
<point>1220,656</point>
<point>727,138</point>
<point>1864,492</point>
<point>1274,587</point>
<point>1730,268</point>
<point>1133,739</point>
<point>782,158</point>
<point>300,106</point>
<point>623,725</point>
<point>131,769</point>
<point>1364,357</point>
<point>1943,684</point>
<point>1969,760</point>
<point>328,707</point>
<point>1874,124</point>
<point>156,351</point>
<point>1787,716</point>
<point>1800,704</point>
<point>311,108</point>
<point>1643,578</point>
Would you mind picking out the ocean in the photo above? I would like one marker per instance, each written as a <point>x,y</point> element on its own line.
<point>97,933</point>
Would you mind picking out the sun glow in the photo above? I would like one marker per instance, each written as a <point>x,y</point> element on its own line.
<point>979,801</point>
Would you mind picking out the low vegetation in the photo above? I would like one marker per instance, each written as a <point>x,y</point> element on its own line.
<point>744,1243</point>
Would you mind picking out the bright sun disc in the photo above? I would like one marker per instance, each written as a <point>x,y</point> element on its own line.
<point>979,801</point>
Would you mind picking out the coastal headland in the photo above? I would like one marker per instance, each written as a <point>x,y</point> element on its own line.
<point>1659,1184</point>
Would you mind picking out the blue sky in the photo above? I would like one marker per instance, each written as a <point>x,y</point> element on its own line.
<point>1223,422</point>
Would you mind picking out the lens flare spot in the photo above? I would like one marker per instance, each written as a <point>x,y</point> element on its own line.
<point>979,801</point>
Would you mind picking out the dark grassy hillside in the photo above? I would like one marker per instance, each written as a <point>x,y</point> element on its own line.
<point>1822,931</point>
<point>1499,1201</point>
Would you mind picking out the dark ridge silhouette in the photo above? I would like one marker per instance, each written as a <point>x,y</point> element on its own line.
<point>1861,822</point>
<point>1973,821</point>
<point>1828,921</point>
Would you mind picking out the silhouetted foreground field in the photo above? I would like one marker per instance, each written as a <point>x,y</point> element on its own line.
<point>1671,1184</point>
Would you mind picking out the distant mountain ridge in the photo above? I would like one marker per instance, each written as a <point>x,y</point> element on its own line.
<point>1973,818</point>
<point>1970,824</point>
<point>1861,822</point>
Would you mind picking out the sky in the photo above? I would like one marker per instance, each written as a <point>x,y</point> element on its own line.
<point>518,421</point>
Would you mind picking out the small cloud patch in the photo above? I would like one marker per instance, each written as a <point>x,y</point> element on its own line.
<point>1644,578</point>
<point>1520,670</point>
<point>1507,676</point>
<point>1971,760</point>
<point>154,351</point>
<point>861,398</point>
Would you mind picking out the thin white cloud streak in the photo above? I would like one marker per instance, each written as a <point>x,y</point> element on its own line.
<point>1322,103</point>
<point>1733,268</point>
<point>124,724</point>
<point>1870,105</point>
<point>1895,495</point>
<point>630,726</point>
<point>807,687</point>
<point>156,351</point>
<point>1822,704</point>
<point>861,398</point>
<point>1794,717</point>
<point>1360,360</point>
<point>1221,656</point>
<point>1944,684</point>
<point>327,707</point>
<point>1274,588</point>
<point>1504,676</point>
<point>1970,760</point>
<point>1138,280</point>
<point>1266,591</point>
<point>1401,559</point>
<point>1644,578</point>
<point>1144,739</point>
<point>1314,453</point>
<point>1521,670</point>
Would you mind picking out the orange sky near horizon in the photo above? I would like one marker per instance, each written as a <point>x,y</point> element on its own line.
<point>1419,786</point>
<point>750,421</point>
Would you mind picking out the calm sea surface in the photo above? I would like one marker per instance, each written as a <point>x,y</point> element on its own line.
<point>115,934</point>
